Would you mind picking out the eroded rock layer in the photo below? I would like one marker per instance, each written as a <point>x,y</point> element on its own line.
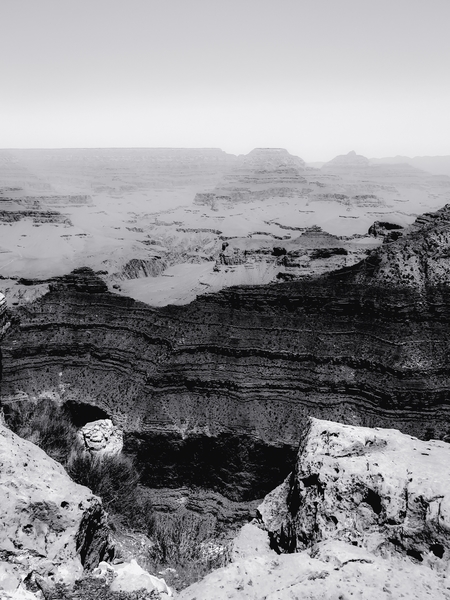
<point>234,375</point>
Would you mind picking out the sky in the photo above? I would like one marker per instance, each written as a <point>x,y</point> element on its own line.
<point>318,77</point>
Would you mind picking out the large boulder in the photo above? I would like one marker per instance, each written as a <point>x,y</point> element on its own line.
<point>365,514</point>
<point>50,527</point>
<point>374,488</point>
<point>101,437</point>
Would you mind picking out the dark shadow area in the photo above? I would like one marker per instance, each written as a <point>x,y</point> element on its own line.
<point>240,467</point>
<point>81,413</point>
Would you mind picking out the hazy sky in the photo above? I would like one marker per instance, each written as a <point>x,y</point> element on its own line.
<point>318,77</point>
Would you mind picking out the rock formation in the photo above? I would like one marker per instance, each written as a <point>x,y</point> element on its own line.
<point>101,437</point>
<point>419,261</point>
<point>373,488</point>
<point>130,577</point>
<point>4,321</point>
<point>50,527</point>
<point>205,390</point>
<point>364,514</point>
<point>135,214</point>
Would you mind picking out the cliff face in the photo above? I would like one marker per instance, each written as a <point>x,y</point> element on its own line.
<point>206,390</point>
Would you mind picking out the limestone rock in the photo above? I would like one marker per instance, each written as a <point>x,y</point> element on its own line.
<point>101,437</point>
<point>373,488</point>
<point>130,577</point>
<point>335,570</point>
<point>49,526</point>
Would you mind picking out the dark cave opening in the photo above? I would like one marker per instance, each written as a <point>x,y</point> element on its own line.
<point>81,413</point>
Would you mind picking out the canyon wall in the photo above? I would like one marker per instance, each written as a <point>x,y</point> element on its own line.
<point>213,386</point>
<point>216,393</point>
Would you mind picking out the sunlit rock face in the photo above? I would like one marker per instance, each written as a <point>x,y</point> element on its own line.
<point>49,526</point>
<point>101,438</point>
<point>374,488</point>
<point>364,514</point>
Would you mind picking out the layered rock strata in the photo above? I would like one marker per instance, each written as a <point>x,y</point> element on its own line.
<point>214,386</point>
<point>204,391</point>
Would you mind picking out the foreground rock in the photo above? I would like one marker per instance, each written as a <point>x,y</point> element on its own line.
<point>365,514</point>
<point>374,488</point>
<point>50,527</point>
<point>130,577</point>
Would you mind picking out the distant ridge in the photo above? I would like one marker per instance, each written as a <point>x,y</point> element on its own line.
<point>438,165</point>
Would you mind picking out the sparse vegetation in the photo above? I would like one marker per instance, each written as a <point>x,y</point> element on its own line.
<point>115,479</point>
<point>186,544</point>
<point>44,423</point>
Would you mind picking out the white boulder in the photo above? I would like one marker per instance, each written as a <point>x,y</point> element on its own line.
<point>101,437</point>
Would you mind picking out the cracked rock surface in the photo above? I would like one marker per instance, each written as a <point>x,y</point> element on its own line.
<point>374,488</point>
<point>365,514</point>
<point>49,525</point>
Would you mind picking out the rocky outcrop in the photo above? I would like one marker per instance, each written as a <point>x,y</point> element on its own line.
<point>136,267</point>
<point>50,527</point>
<point>36,216</point>
<point>4,320</point>
<point>388,231</point>
<point>130,577</point>
<point>101,437</point>
<point>364,514</point>
<point>419,260</point>
<point>373,488</point>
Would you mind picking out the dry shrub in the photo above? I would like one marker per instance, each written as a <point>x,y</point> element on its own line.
<point>187,543</point>
<point>115,479</point>
<point>44,423</point>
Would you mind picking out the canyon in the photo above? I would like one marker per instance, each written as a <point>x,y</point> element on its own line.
<point>206,306</point>
<point>166,225</point>
<point>208,388</point>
